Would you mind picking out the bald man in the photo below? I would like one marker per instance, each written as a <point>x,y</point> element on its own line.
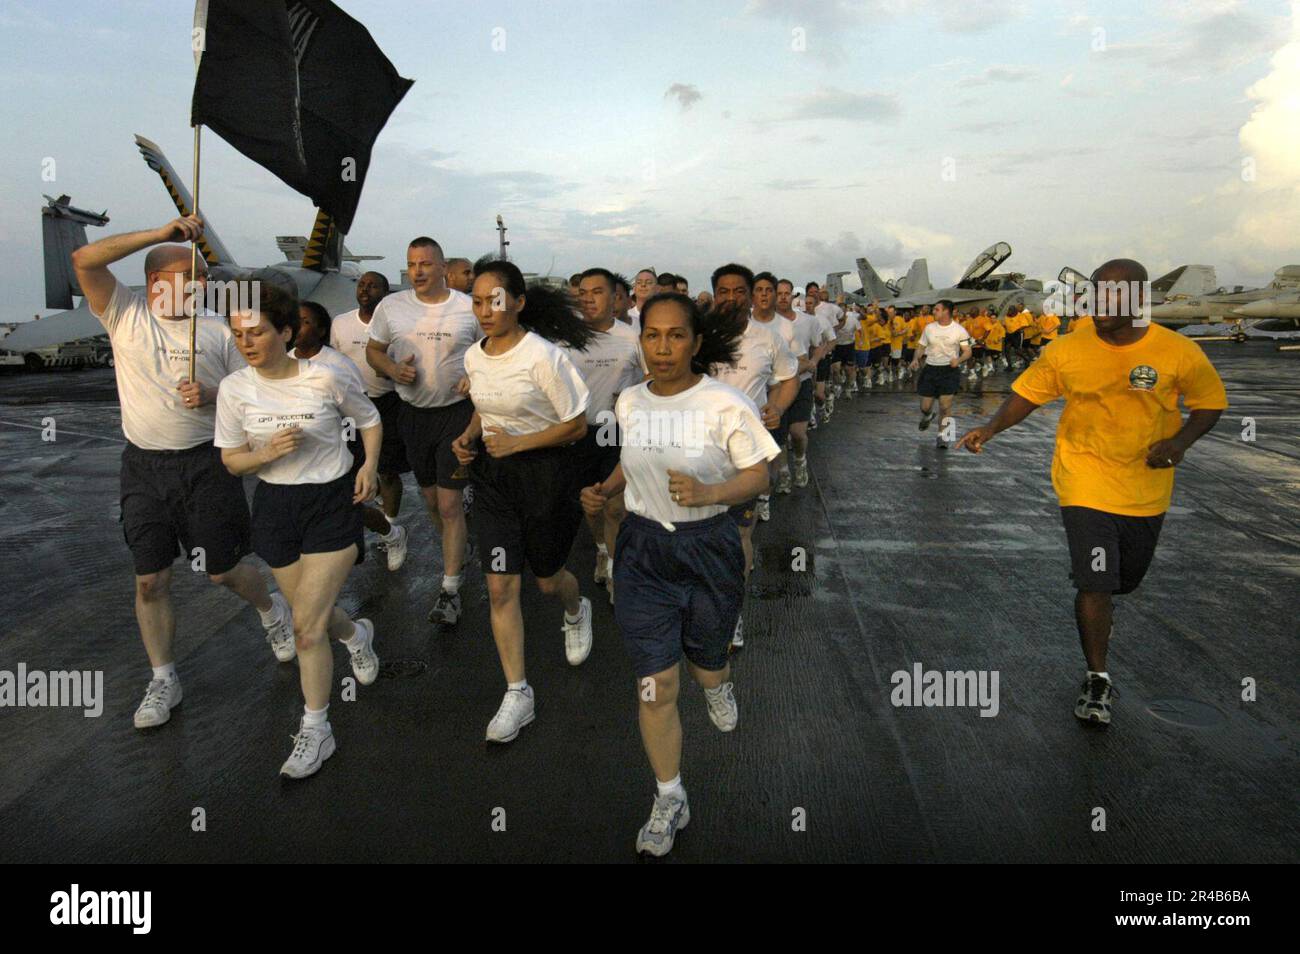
<point>1119,438</point>
<point>460,274</point>
<point>177,498</point>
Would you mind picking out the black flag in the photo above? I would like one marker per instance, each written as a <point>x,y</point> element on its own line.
<point>300,88</point>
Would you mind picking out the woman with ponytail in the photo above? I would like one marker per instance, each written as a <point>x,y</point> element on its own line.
<point>692,447</point>
<point>529,405</point>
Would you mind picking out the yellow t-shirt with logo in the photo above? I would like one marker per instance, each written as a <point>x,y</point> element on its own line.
<point>1118,402</point>
<point>995,335</point>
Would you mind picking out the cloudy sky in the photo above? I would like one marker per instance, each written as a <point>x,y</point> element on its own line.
<point>793,135</point>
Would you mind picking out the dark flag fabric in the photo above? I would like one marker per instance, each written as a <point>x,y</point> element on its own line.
<point>300,88</point>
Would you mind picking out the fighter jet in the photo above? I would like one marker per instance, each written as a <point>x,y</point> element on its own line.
<point>978,285</point>
<point>1278,299</point>
<point>319,268</point>
<point>874,288</point>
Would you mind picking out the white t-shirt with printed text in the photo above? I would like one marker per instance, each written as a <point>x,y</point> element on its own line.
<point>151,357</point>
<point>531,387</point>
<point>319,399</point>
<point>711,431</point>
<point>348,336</point>
<point>611,363</point>
<point>764,362</point>
<point>438,336</point>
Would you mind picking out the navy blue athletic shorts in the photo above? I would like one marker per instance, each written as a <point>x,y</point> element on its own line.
<point>679,591</point>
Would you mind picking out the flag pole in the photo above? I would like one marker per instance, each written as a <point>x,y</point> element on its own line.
<point>194,262</point>
<point>198,43</point>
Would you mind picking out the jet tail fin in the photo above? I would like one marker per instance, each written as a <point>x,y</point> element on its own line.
<point>916,280</point>
<point>872,284</point>
<point>835,285</point>
<point>63,230</point>
<point>1187,281</point>
<point>210,245</point>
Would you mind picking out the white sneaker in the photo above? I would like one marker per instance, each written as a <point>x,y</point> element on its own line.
<point>162,696</point>
<point>763,509</point>
<point>365,664</point>
<point>670,814</point>
<point>311,747</point>
<point>395,548</point>
<point>723,710</point>
<point>738,637</point>
<point>577,636</point>
<point>602,571</point>
<point>783,482</point>
<point>280,633</point>
<point>516,712</point>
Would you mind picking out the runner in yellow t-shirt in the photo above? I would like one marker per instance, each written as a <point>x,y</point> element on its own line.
<point>897,336</point>
<point>1118,439</point>
<point>861,354</point>
<point>993,340</point>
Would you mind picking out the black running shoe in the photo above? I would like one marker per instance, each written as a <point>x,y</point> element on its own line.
<point>1093,705</point>
<point>925,421</point>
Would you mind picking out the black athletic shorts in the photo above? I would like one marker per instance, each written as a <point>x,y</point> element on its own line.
<point>823,369</point>
<point>938,380</point>
<point>593,462</point>
<point>908,354</point>
<point>879,354</point>
<point>392,453</point>
<point>843,353</point>
<point>1015,339</point>
<point>1109,552</point>
<point>292,519</point>
<point>679,591</point>
<point>176,501</point>
<point>801,409</point>
<point>427,433</point>
<point>526,509</point>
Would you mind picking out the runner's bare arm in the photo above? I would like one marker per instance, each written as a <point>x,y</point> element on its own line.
<point>91,261</point>
<point>1169,452</point>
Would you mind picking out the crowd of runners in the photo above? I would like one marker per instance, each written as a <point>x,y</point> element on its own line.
<point>666,424</point>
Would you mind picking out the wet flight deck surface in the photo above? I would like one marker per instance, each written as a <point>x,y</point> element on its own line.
<point>952,561</point>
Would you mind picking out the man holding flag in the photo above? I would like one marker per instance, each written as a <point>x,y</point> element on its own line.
<point>177,497</point>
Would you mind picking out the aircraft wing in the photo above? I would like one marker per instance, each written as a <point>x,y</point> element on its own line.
<point>54,330</point>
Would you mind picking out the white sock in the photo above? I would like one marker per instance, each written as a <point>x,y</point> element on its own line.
<point>270,616</point>
<point>391,535</point>
<point>1104,675</point>
<point>167,672</point>
<point>672,786</point>
<point>602,549</point>
<point>800,459</point>
<point>451,584</point>
<point>357,640</point>
<point>764,496</point>
<point>520,686</point>
<point>315,717</point>
<point>573,619</point>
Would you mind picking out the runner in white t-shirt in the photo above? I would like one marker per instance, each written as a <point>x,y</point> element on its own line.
<point>611,362</point>
<point>766,372</point>
<point>349,335</point>
<point>944,346</point>
<point>692,448</point>
<point>530,406</point>
<point>176,497</point>
<point>823,399</point>
<point>313,330</point>
<point>418,338</point>
<point>286,419</point>
<point>807,343</point>
<point>765,316</point>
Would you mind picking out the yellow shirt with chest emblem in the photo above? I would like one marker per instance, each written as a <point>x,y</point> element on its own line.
<point>1118,402</point>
